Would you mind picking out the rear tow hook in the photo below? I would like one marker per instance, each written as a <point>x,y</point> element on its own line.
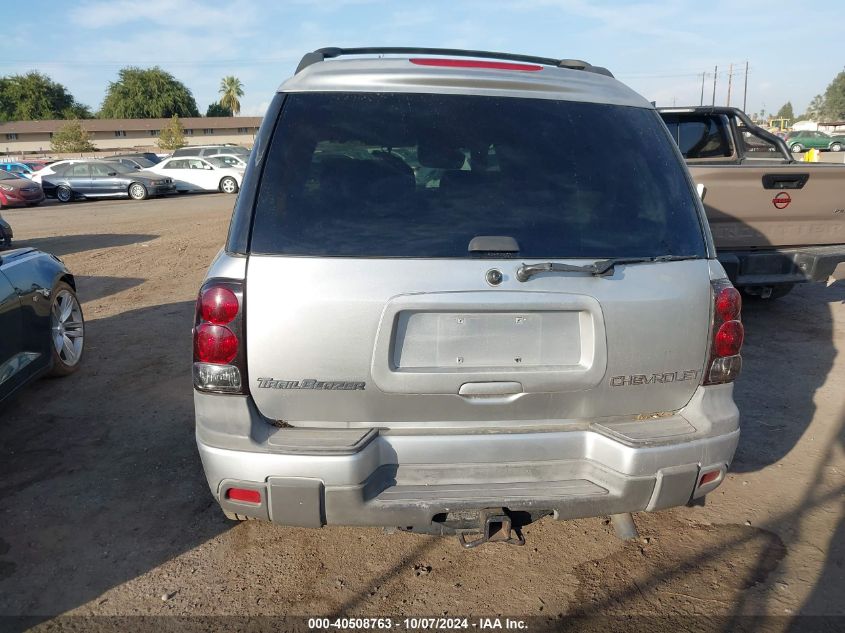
<point>496,527</point>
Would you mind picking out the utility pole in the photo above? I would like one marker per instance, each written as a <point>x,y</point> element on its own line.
<point>701,101</point>
<point>730,80</point>
<point>745,90</point>
<point>715,74</point>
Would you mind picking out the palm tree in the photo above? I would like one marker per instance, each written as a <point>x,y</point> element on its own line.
<point>231,88</point>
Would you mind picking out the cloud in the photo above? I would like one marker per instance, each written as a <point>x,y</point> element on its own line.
<point>659,20</point>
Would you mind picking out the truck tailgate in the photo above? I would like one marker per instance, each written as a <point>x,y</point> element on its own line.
<point>758,206</point>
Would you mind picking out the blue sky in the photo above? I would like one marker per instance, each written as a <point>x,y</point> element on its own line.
<point>659,48</point>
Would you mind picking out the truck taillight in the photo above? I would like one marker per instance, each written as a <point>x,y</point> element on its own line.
<point>727,335</point>
<point>219,354</point>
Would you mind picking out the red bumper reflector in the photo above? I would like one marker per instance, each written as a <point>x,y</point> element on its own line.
<point>472,63</point>
<point>706,478</point>
<point>242,494</point>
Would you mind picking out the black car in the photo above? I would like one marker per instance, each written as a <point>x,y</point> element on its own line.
<point>152,157</point>
<point>132,162</point>
<point>104,179</point>
<point>42,330</point>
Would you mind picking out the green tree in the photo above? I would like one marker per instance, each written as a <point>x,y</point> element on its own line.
<point>215,109</point>
<point>833,108</point>
<point>786,112</point>
<point>34,96</point>
<point>71,137</point>
<point>231,89</point>
<point>147,93</point>
<point>172,136</point>
<point>814,110</point>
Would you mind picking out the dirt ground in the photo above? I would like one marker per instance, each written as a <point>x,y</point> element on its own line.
<point>104,509</point>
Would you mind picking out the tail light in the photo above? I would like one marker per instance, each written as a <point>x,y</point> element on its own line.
<point>219,352</point>
<point>727,335</point>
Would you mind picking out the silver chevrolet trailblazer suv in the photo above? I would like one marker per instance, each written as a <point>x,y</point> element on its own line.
<point>462,291</point>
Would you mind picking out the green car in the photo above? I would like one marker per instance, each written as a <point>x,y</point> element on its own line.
<point>798,141</point>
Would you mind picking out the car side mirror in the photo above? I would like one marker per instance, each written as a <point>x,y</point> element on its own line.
<point>112,173</point>
<point>701,190</point>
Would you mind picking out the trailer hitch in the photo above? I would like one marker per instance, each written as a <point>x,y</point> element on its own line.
<point>496,527</point>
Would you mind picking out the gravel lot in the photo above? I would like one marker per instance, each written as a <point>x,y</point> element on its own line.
<point>104,509</point>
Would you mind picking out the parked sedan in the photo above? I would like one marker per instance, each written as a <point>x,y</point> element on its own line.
<point>152,157</point>
<point>53,167</point>
<point>101,179</point>
<point>42,330</point>
<point>200,174</point>
<point>210,150</point>
<point>800,140</point>
<point>233,160</point>
<point>132,162</point>
<point>16,191</point>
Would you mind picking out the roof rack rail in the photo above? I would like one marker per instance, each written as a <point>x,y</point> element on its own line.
<point>321,54</point>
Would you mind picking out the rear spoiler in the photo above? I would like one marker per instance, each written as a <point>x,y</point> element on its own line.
<point>321,54</point>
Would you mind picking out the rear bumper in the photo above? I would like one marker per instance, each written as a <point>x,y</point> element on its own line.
<point>781,266</point>
<point>367,477</point>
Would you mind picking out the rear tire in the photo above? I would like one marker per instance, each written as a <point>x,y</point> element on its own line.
<point>228,185</point>
<point>67,331</point>
<point>137,191</point>
<point>836,147</point>
<point>64,194</point>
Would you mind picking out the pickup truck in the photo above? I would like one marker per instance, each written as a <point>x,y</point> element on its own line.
<point>775,221</point>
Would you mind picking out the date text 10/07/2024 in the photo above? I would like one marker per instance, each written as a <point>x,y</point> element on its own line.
<point>416,624</point>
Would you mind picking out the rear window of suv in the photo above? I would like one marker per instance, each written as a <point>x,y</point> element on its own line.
<point>420,175</point>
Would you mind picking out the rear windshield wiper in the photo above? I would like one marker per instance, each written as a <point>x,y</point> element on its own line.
<point>601,268</point>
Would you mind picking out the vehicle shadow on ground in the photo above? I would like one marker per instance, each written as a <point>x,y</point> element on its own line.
<point>788,355</point>
<point>66,244</point>
<point>100,479</point>
<point>95,287</point>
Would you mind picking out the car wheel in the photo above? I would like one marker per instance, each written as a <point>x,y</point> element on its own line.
<point>137,191</point>
<point>64,194</point>
<point>836,147</point>
<point>67,331</point>
<point>229,185</point>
